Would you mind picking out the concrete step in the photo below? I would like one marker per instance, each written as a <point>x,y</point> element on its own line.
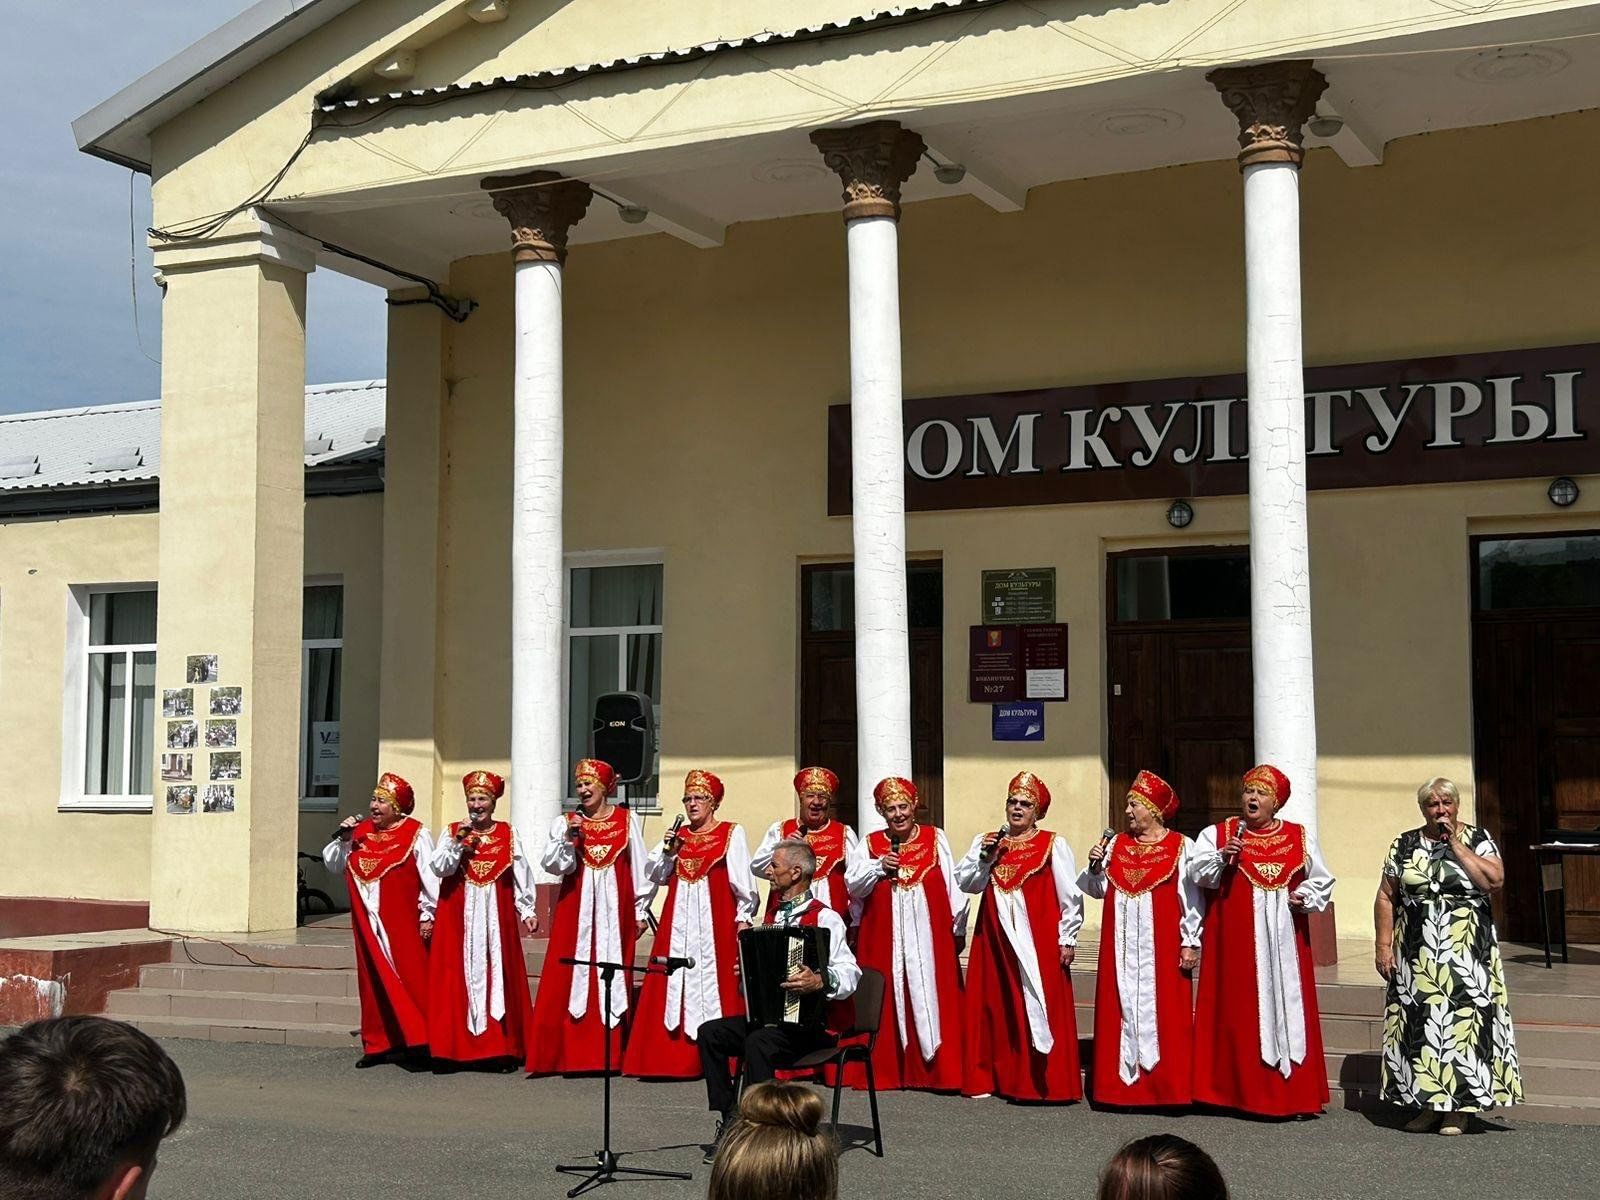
<point>257,1007</point>
<point>342,1036</point>
<point>293,981</point>
<point>1573,1043</point>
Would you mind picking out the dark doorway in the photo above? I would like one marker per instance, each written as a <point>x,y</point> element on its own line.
<point>1536,714</point>
<point>828,679</point>
<point>1178,683</point>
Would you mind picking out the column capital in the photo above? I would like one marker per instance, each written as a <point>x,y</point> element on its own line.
<point>1273,102</point>
<point>872,161</point>
<point>542,207</point>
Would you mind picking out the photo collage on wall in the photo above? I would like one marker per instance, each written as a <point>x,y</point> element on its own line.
<point>222,761</point>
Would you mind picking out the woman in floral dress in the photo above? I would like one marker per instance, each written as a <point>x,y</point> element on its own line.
<point>1448,1046</point>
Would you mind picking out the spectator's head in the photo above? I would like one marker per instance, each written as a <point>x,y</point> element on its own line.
<point>1161,1167</point>
<point>778,1149</point>
<point>87,1102</point>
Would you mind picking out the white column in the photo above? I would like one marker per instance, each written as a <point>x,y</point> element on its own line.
<point>878,506</point>
<point>1272,103</point>
<point>542,207</point>
<point>537,779</point>
<point>873,161</point>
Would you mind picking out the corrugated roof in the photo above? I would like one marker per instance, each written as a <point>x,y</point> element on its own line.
<point>564,75</point>
<point>66,441</point>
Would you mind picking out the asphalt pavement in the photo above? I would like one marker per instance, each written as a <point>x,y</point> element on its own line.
<point>272,1121</point>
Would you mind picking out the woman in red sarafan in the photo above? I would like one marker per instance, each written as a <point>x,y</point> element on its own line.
<point>833,842</point>
<point>1022,1030</point>
<point>393,893</point>
<point>913,922</point>
<point>1258,1034</point>
<point>711,896</point>
<point>598,854</point>
<point>478,1007</point>
<point>1149,945</point>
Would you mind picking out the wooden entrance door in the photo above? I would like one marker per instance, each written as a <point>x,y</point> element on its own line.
<point>828,681</point>
<point>1536,707</point>
<point>1179,683</point>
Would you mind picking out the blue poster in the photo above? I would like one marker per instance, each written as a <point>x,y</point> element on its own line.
<point>1020,722</point>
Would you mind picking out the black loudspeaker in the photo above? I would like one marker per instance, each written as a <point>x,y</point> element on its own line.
<point>624,734</point>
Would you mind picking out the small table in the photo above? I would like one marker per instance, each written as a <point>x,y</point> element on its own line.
<point>1551,857</point>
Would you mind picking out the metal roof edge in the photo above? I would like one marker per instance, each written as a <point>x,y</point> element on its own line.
<point>875,19</point>
<point>214,61</point>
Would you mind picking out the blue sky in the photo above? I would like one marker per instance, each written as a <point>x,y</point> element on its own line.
<point>66,297</point>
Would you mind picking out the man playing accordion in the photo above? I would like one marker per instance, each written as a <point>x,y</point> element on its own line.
<point>766,1049</point>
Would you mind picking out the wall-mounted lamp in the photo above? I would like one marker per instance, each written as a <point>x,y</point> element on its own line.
<point>1326,125</point>
<point>949,174</point>
<point>1179,513</point>
<point>632,214</point>
<point>1563,492</point>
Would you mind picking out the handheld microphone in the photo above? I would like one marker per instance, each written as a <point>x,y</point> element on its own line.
<point>1105,840</point>
<point>672,834</point>
<point>671,962</point>
<point>990,853</point>
<point>341,832</point>
<point>574,831</point>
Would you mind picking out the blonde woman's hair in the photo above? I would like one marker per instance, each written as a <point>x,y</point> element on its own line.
<point>1441,786</point>
<point>778,1148</point>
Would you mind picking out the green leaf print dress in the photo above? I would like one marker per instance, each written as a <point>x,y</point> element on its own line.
<point>1447,1038</point>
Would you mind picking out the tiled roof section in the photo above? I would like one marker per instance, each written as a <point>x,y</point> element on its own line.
<point>566,75</point>
<point>121,443</point>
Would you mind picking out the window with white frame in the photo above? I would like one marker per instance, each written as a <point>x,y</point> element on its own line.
<point>321,659</point>
<point>119,673</point>
<point>613,645</point>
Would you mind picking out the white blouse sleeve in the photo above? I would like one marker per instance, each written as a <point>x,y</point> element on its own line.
<point>1316,892</point>
<point>1191,901</point>
<point>1093,883</point>
<point>336,854</point>
<point>843,971</point>
<point>740,877</point>
<point>972,872</point>
<point>446,858</point>
<point>762,858</point>
<point>1206,863</point>
<point>428,897</point>
<point>861,871</point>
<point>659,866</point>
<point>958,899</point>
<point>521,879</point>
<point>1065,870</point>
<point>560,856</point>
<point>644,888</point>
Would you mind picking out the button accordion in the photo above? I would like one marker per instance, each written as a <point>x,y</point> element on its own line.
<point>771,954</point>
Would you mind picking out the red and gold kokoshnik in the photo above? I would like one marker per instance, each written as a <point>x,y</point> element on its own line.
<point>1269,777</point>
<point>816,779</point>
<point>1135,868</point>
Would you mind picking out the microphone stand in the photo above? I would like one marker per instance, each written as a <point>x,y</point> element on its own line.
<point>604,1169</point>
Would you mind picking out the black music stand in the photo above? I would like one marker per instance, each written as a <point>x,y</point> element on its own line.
<point>604,1169</point>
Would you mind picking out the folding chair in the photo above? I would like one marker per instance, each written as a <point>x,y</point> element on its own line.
<point>868,1015</point>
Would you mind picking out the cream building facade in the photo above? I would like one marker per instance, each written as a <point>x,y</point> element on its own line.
<point>608,440</point>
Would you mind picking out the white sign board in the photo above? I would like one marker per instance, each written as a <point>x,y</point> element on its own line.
<point>324,754</point>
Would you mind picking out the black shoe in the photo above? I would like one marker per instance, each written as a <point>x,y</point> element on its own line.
<point>371,1060</point>
<point>723,1125</point>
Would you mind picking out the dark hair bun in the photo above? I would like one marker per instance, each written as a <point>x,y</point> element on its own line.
<point>783,1105</point>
